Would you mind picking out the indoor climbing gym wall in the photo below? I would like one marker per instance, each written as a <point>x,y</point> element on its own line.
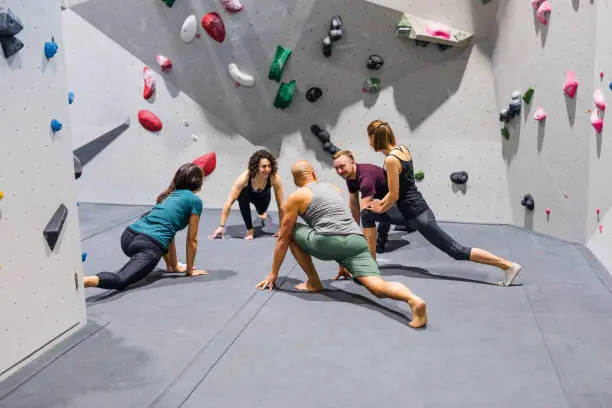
<point>40,258</point>
<point>232,81</point>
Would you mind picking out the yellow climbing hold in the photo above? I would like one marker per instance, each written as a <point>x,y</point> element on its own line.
<point>1,195</point>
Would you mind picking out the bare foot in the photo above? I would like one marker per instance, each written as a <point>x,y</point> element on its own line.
<point>419,314</point>
<point>249,234</point>
<point>309,287</point>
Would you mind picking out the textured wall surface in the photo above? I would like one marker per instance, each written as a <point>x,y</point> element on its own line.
<point>39,300</point>
<point>600,148</point>
<point>442,105</point>
<point>548,160</point>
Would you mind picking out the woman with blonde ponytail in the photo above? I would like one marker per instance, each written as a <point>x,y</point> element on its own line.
<point>151,237</point>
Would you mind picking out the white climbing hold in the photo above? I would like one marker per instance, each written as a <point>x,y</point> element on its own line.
<point>539,115</point>
<point>599,100</point>
<point>189,29</point>
<point>239,76</point>
<point>232,6</point>
<point>194,138</point>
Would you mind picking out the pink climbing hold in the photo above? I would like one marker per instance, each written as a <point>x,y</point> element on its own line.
<point>599,100</point>
<point>597,211</point>
<point>544,8</point>
<point>571,84</point>
<point>547,211</point>
<point>597,121</point>
<point>539,115</point>
<point>165,63</point>
<point>600,228</point>
<point>438,30</point>
<point>535,3</point>
<point>601,74</point>
<point>149,83</point>
<point>232,6</point>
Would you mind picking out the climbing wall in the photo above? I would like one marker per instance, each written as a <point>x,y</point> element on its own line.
<point>441,104</point>
<point>39,298</point>
<point>598,211</point>
<point>548,159</point>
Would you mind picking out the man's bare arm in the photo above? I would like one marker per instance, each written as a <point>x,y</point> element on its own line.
<point>285,233</point>
<point>354,206</point>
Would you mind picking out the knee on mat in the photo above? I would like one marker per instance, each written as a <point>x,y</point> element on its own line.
<point>459,252</point>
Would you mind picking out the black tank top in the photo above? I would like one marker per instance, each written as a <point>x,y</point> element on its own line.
<point>264,191</point>
<point>410,203</point>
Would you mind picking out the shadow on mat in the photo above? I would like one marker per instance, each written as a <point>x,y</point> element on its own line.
<point>259,229</point>
<point>167,279</point>
<point>339,295</point>
<point>420,273</point>
<point>395,244</point>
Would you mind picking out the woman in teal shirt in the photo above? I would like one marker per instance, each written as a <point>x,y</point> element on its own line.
<point>151,237</point>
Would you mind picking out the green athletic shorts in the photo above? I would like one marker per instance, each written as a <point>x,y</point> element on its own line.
<point>350,251</point>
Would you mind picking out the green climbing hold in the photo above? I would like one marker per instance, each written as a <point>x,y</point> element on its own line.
<point>419,175</point>
<point>169,3</point>
<point>284,96</point>
<point>505,132</point>
<point>371,85</point>
<point>528,96</point>
<point>277,66</point>
<point>404,26</point>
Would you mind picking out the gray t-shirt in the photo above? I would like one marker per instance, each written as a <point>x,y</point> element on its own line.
<point>328,213</point>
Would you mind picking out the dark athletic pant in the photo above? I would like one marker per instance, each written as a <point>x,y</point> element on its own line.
<point>144,253</point>
<point>261,201</point>
<point>426,224</point>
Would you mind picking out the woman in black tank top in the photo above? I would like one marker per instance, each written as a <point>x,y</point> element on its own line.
<point>402,189</point>
<point>254,186</point>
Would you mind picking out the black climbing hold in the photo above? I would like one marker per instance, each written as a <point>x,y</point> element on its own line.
<point>504,115</point>
<point>375,62</point>
<point>78,167</point>
<point>335,35</point>
<point>336,23</point>
<point>10,24</point>
<point>333,149</point>
<point>444,47</point>
<point>514,108</point>
<point>459,177</point>
<point>528,202</point>
<point>10,46</point>
<point>54,227</point>
<point>315,129</point>
<point>327,146</point>
<point>313,94</point>
<point>327,47</point>
<point>324,136</point>
<point>421,43</point>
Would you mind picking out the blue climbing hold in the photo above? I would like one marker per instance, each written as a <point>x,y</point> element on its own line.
<point>56,125</point>
<point>83,256</point>
<point>610,86</point>
<point>70,97</point>
<point>51,49</point>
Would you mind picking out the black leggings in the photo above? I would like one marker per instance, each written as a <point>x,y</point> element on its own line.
<point>144,253</point>
<point>426,224</point>
<point>260,200</point>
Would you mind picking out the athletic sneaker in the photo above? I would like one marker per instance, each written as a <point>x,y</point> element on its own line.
<point>511,273</point>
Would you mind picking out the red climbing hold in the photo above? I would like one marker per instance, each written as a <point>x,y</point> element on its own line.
<point>232,6</point>
<point>571,84</point>
<point>597,121</point>
<point>600,228</point>
<point>207,162</point>
<point>149,120</point>
<point>165,63</point>
<point>547,211</point>
<point>149,83</point>
<point>213,24</point>
<point>544,8</point>
<point>599,100</point>
<point>438,30</point>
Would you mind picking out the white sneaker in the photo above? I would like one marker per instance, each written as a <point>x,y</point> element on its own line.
<point>511,273</point>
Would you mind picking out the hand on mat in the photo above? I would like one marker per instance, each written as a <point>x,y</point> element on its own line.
<point>268,282</point>
<point>197,272</point>
<point>218,231</point>
<point>375,206</point>
<point>179,268</point>
<point>343,273</point>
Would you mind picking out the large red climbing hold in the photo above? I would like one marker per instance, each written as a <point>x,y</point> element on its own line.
<point>207,162</point>
<point>149,121</point>
<point>571,84</point>
<point>214,26</point>
<point>149,83</point>
<point>232,6</point>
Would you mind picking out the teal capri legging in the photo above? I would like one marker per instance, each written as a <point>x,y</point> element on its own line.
<point>350,251</point>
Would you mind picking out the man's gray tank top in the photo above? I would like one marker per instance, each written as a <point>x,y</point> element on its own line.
<point>328,213</point>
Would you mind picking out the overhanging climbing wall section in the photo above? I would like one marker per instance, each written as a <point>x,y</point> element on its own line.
<point>598,211</point>
<point>40,253</point>
<point>548,159</point>
<point>433,99</point>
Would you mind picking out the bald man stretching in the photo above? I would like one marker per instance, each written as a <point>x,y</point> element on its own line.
<point>331,234</point>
